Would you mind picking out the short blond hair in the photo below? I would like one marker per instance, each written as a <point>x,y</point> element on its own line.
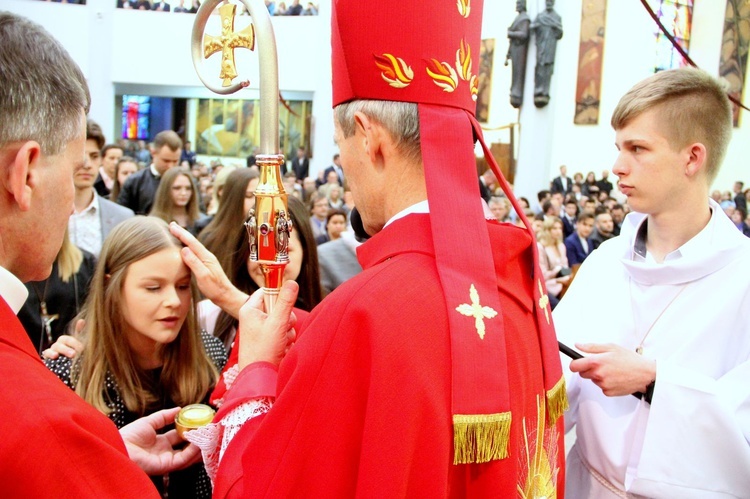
<point>693,107</point>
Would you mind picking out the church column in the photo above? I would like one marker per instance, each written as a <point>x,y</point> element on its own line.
<point>99,74</point>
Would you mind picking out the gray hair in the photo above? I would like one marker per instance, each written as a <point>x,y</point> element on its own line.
<point>400,119</point>
<point>42,90</point>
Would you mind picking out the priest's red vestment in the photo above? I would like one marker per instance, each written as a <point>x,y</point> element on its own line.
<point>363,400</point>
<point>52,443</point>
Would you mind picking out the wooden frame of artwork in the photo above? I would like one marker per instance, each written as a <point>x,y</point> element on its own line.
<point>590,60</point>
<point>486,58</point>
<point>734,49</point>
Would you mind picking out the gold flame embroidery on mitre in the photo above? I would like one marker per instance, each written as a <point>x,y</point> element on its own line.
<point>443,75</point>
<point>463,61</point>
<point>394,70</point>
<point>464,7</point>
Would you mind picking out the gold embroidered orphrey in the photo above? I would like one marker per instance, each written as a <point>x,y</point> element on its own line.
<point>227,42</point>
<point>538,457</point>
<point>543,301</point>
<point>477,311</point>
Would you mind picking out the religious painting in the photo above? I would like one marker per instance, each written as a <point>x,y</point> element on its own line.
<point>677,18</point>
<point>486,56</point>
<point>590,59</point>
<point>734,48</point>
<point>231,127</point>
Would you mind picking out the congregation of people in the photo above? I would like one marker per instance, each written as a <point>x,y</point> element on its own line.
<point>574,216</point>
<point>295,8</point>
<point>120,183</point>
<point>153,303</point>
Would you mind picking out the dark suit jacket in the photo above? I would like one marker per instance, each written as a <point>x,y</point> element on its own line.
<point>557,185</point>
<point>301,168</point>
<point>605,186</point>
<point>112,214</point>
<point>100,187</point>
<point>139,191</point>
<point>574,249</point>
<point>484,191</point>
<point>568,226</point>
<point>741,203</point>
<point>332,169</point>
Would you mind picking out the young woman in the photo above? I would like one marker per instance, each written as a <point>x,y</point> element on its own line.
<point>53,303</point>
<point>142,349</point>
<point>553,257</point>
<point>231,249</point>
<point>221,235</point>
<point>124,168</point>
<point>589,187</point>
<point>335,225</point>
<point>177,200</point>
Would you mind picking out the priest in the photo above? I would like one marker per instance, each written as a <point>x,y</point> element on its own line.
<point>434,372</point>
<point>675,304</point>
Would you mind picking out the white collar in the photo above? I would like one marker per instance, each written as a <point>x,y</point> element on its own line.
<point>93,205</point>
<point>154,171</point>
<point>715,246</point>
<point>12,290</point>
<point>424,207</point>
<point>420,207</point>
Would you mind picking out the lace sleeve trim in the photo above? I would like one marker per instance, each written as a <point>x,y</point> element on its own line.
<point>214,438</point>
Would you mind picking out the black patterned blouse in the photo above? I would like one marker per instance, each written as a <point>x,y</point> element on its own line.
<point>191,482</point>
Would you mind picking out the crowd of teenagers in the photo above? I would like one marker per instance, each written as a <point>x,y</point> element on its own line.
<point>412,349</point>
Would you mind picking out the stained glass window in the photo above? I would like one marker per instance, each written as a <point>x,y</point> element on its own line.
<point>677,17</point>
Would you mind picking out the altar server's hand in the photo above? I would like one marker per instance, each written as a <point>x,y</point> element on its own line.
<point>616,370</point>
<point>211,279</point>
<point>267,337</point>
<point>154,452</point>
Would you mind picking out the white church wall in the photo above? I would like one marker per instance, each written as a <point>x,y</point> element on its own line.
<point>548,136</point>
<point>126,51</point>
<point>122,50</point>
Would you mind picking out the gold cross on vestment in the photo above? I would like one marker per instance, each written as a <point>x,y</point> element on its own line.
<point>227,42</point>
<point>543,300</point>
<point>477,311</point>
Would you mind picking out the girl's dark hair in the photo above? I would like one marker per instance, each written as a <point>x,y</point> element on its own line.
<point>226,238</point>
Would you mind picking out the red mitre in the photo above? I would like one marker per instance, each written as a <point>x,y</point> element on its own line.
<point>428,53</point>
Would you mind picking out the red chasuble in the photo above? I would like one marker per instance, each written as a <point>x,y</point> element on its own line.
<point>52,443</point>
<point>363,403</point>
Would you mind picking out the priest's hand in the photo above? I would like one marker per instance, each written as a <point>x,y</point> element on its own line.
<point>211,279</point>
<point>267,337</point>
<point>154,452</point>
<point>616,370</point>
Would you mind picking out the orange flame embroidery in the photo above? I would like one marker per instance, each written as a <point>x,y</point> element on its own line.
<point>463,61</point>
<point>474,87</point>
<point>464,7</point>
<point>443,75</point>
<point>395,71</point>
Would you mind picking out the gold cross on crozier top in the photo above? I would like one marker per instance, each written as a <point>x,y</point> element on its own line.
<point>477,311</point>
<point>227,42</point>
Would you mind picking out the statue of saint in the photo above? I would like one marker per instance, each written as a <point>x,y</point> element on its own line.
<point>547,28</point>
<point>518,33</point>
<point>283,229</point>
